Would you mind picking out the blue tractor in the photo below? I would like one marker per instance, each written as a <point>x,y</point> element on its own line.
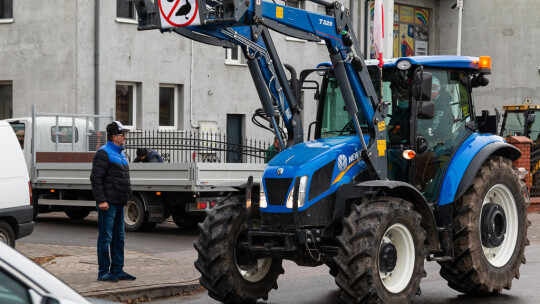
<point>397,172</point>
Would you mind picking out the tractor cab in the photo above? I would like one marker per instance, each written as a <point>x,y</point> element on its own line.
<point>419,145</point>
<point>519,120</point>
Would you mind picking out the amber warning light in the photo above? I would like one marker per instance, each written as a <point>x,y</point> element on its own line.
<point>409,154</point>
<point>485,63</point>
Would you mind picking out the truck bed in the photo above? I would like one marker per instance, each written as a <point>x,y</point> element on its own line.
<point>147,176</point>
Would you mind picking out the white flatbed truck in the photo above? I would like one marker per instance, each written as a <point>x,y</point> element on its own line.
<point>61,165</point>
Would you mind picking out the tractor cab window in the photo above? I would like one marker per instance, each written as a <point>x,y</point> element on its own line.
<point>450,94</point>
<point>396,91</point>
<point>335,121</point>
<point>534,128</point>
<point>514,124</point>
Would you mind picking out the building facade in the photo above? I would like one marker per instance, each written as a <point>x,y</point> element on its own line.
<point>86,57</point>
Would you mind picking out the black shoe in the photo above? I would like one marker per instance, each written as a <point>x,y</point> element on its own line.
<point>107,278</point>
<point>124,276</point>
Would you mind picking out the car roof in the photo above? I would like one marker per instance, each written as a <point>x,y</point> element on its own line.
<point>37,275</point>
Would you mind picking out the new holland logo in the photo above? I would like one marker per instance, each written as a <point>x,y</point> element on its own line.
<point>342,162</point>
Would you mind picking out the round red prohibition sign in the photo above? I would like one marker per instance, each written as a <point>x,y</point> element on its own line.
<point>170,14</point>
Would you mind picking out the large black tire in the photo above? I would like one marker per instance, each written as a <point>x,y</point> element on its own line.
<point>135,217</point>
<point>480,270</point>
<point>381,253</point>
<point>78,214</point>
<point>7,235</point>
<point>226,278</point>
<point>182,219</point>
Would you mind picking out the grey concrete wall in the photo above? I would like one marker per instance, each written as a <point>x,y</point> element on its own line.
<point>48,54</point>
<point>38,55</point>
<point>509,32</point>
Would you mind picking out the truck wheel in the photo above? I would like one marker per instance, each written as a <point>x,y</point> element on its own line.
<point>135,217</point>
<point>7,235</point>
<point>227,271</point>
<point>381,256</point>
<point>490,231</point>
<point>182,219</point>
<point>77,214</point>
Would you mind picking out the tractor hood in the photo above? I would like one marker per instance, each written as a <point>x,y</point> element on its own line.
<point>328,163</point>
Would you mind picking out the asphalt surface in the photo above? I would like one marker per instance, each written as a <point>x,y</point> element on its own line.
<point>163,260</point>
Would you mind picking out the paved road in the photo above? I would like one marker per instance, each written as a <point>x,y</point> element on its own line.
<point>303,285</point>
<point>166,241</point>
<point>299,284</point>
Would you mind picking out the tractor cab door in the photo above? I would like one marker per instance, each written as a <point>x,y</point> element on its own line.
<point>445,132</point>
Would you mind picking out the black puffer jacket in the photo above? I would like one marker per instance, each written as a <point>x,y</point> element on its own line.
<point>110,175</point>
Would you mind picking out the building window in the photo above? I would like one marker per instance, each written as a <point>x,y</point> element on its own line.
<point>294,3</point>
<point>234,56</point>
<point>321,10</point>
<point>6,100</point>
<point>126,105</point>
<point>125,9</point>
<point>6,9</point>
<point>168,107</point>
<point>411,31</point>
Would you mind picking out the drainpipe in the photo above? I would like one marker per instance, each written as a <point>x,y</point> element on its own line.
<point>460,13</point>
<point>191,88</point>
<point>96,60</point>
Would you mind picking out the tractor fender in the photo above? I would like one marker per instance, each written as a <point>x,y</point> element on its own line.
<point>401,190</point>
<point>466,161</point>
<point>494,149</point>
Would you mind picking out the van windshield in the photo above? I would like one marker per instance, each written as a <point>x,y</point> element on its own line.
<point>19,129</point>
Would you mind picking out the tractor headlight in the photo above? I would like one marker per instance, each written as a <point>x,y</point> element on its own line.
<point>301,193</point>
<point>262,199</point>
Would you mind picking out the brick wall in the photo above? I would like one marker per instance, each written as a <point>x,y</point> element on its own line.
<point>524,145</point>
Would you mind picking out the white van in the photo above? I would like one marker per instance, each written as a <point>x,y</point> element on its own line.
<point>16,210</point>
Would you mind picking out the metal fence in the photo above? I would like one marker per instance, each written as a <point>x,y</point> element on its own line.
<point>191,146</point>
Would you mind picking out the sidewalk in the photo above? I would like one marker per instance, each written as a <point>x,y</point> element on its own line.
<point>76,266</point>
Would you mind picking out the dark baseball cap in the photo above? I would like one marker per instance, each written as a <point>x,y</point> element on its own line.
<point>116,127</point>
<point>141,152</point>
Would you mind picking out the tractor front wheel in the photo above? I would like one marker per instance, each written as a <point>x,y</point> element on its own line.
<point>381,256</point>
<point>227,270</point>
<point>489,231</point>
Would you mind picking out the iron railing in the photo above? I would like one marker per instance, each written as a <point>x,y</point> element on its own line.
<point>191,146</point>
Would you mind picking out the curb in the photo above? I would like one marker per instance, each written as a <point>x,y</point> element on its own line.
<point>146,292</point>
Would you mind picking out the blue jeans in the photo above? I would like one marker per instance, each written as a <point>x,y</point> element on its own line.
<point>111,238</point>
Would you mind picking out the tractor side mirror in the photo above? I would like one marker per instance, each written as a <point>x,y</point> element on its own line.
<point>531,118</point>
<point>426,110</point>
<point>421,144</point>
<point>422,86</point>
<point>422,92</point>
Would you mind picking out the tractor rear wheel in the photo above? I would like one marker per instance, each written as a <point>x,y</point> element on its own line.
<point>489,231</point>
<point>227,270</point>
<point>381,256</point>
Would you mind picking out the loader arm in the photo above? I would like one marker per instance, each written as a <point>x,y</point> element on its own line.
<point>245,23</point>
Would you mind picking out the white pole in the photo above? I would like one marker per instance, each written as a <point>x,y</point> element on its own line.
<point>460,12</point>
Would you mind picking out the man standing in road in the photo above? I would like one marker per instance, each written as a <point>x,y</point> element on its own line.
<point>111,188</point>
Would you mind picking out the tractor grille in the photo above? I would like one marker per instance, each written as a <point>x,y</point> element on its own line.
<point>277,190</point>
<point>321,180</point>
